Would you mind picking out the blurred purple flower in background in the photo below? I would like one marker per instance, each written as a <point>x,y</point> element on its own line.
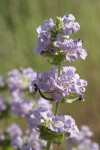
<point>20,79</point>
<point>45,104</point>
<point>14,130</point>
<point>83,141</point>
<point>2,104</point>
<point>22,108</point>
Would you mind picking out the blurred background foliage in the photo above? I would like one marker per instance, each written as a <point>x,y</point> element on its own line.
<point>18,38</point>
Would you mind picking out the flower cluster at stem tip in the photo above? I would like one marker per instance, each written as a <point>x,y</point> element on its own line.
<point>55,43</point>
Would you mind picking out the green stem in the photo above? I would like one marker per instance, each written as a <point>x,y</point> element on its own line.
<point>55,111</point>
<point>48,145</point>
<point>59,70</point>
<point>56,108</point>
<point>57,104</point>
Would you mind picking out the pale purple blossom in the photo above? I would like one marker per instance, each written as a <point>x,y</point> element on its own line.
<point>2,104</point>
<point>20,79</point>
<point>38,117</point>
<point>58,124</point>
<point>49,24</point>
<point>2,137</point>
<point>64,123</point>
<point>44,42</point>
<point>22,108</point>
<point>17,142</point>
<point>53,40</point>
<point>14,130</point>
<point>83,140</point>
<point>68,83</point>
<point>72,48</point>
<point>33,141</point>
<point>45,104</point>
<point>70,26</point>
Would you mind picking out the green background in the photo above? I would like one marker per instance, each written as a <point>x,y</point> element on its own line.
<point>18,38</point>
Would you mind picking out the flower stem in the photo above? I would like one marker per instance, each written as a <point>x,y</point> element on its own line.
<point>59,70</point>
<point>56,108</point>
<point>48,145</point>
<point>57,104</point>
<point>55,111</point>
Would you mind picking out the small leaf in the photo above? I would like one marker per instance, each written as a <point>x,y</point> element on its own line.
<point>65,100</point>
<point>60,138</point>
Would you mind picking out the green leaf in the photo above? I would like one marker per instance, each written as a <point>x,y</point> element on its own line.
<point>65,100</point>
<point>60,138</point>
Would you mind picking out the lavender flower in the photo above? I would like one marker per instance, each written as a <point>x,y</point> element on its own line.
<point>83,141</point>
<point>22,108</point>
<point>20,79</point>
<point>28,147</point>
<point>38,117</point>
<point>14,130</point>
<point>68,83</point>
<point>2,137</point>
<point>33,140</point>
<point>15,134</point>
<point>49,125</point>
<point>2,104</point>
<point>16,142</point>
<point>72,48</point>
<point>70,27</point>
<point>45,104</point>
<point>43,41</point>
<point>54,41</point>
<point>64,123</point>
<point>49,24</point>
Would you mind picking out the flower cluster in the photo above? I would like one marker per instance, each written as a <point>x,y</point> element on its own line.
<point>15,137</point>
<point>3,106</point>
<point>20,106</point>
<point>20,79</point>
<point>33,141</point>
<point>52,126</point>
<point>68,83</point>
<point>15,133</point>
<point>83,141</point>
<point>54,40</point>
